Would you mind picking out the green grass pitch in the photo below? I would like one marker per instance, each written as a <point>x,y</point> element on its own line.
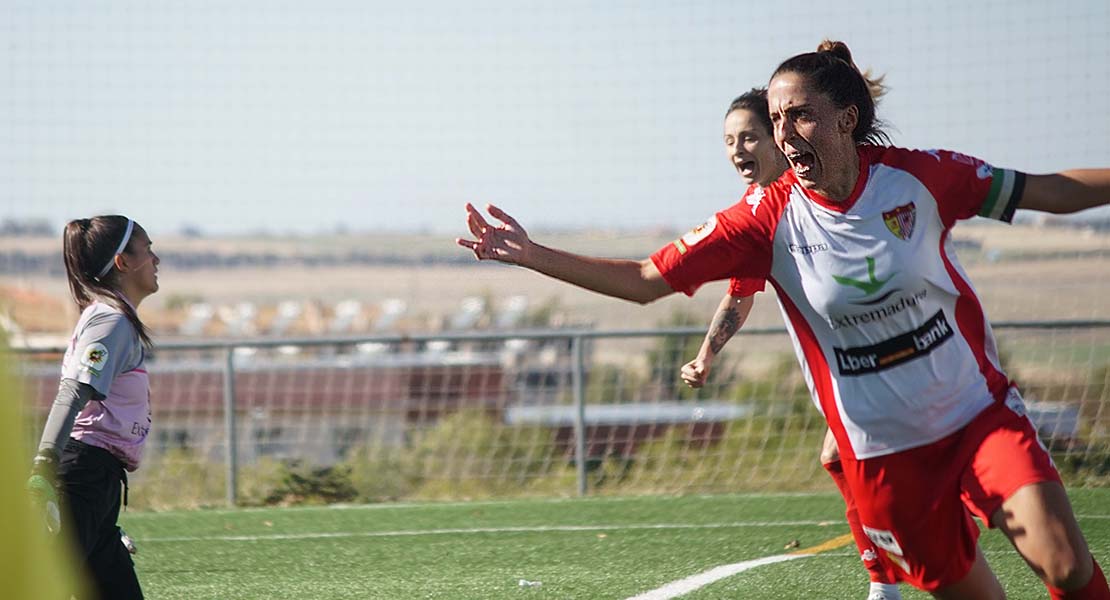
<point>593,548</point>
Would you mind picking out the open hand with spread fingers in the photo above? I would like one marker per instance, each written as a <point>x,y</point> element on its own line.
<point>507,242</point>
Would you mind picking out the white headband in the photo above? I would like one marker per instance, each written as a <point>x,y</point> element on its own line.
<point>122,247</point>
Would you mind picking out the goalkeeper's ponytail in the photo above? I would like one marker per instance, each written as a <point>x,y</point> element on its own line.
<point>89,247</point>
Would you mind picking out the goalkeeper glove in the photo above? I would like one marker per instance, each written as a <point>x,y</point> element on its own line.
<point>43,491</point>
<point>128,542</point>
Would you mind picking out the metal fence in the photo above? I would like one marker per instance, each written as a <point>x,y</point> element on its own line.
<point>542,412</point>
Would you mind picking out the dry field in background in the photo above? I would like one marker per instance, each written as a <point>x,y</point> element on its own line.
<point>1049,285</point>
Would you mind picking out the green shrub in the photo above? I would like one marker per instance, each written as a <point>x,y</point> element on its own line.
<point>301,484</point>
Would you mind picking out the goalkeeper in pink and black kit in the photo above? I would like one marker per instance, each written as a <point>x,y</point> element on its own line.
<point>99,422</point>
<point>892,339</point>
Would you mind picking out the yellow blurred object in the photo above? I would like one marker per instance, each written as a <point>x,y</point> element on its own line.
<point>33,563</point>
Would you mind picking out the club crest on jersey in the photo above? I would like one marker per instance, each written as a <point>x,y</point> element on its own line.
<point>901,220</point>
<point>696,235</point>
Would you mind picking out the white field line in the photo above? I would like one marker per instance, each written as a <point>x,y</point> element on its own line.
<point>469,503</point>
<point>537,529</point>
<point>685,586</point>
<point>682,587</point>
<point>506,502</point>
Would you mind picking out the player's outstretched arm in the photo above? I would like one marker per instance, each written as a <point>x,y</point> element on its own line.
<point>1067,191</point>
<point>729,318</point>
<point>637,281</point>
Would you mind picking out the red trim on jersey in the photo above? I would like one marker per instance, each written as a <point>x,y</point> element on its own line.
<point>953,179</point>
<point>818,370</point>
<point>742,288</point>
<point>865,160</point>
<point>739,245</point>
<point>973,327</point>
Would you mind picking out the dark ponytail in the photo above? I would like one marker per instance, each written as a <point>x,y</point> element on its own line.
<point>832,72</point>
<point>88,246</point>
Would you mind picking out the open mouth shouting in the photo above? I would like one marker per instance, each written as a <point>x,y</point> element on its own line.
<point>802,162</point>
<point>746,169</point>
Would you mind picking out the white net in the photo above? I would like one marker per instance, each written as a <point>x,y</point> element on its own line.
<point>302,169</point>
<point>345,116</point>
<point>497,417</point>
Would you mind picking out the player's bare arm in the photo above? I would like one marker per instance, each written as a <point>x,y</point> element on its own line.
<point>1066,192</point>
<point>636,281</point>
<point>725,324</point>
<point>730,316</point>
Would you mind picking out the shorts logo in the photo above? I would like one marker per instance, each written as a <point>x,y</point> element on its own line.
<point>895,351</point>
<point>886,541</point>
<point>696,235</point>
<point>94,358</point>
<point>901,220</point>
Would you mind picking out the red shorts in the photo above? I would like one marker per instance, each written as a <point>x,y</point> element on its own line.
<point>916,505</point>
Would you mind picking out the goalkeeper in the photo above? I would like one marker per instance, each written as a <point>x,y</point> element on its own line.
<point>99,422</point>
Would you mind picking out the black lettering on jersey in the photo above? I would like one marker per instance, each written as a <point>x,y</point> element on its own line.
<point>896,350</point>
<point>808,249</point>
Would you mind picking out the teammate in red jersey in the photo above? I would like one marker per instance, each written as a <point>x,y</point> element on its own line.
<point>750,147</point>
<point>891,337</point>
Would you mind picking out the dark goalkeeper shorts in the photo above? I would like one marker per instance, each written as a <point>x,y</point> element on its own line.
<point>91,479</point>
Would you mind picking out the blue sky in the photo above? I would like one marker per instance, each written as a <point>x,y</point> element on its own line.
<point>301,117</point>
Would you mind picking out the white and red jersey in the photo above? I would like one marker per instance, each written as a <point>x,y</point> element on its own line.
<point>890,334</point>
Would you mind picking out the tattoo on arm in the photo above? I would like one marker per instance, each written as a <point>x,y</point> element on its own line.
<point>724,325</point>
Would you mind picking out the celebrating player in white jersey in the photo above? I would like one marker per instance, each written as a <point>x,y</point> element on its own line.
<point>892,340</point>
<point>750,147</point>
<point>98,425</point>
